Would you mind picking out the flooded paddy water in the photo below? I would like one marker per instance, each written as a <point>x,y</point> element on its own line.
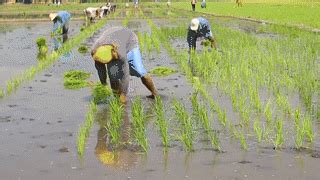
<point>40,122</point>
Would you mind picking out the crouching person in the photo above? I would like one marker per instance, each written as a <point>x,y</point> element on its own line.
<point>92,13</point>
<point>118,48</point>
<point>60,21</point>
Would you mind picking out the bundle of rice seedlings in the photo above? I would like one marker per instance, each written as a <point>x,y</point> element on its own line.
<point>162,71</point>
<point>75,79</point>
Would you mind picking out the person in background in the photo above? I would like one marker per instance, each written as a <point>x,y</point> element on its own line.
<point>193,4</point>
<point>60,22</point>
<point>136,2</point>
<point>118,48</point>
<point>200,28</point>
<point>203,4</point>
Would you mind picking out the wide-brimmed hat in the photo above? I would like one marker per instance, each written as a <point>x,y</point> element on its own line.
<point>194,24</point>
<point>52,16</point>
<point>103,54</point>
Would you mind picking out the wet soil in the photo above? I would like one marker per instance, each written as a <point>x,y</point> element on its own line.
<point>39,126</point>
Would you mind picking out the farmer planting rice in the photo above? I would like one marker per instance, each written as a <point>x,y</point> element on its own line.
<point>92,13</point>
<point>60,21</point>
<point>200,27</point>
<point>118,47</point>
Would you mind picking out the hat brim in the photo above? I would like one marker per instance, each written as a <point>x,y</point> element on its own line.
<point>52,16</point>
<point>194,28</point>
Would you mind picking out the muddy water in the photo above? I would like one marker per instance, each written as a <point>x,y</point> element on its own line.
<point>18,47</point>
<point>39,125</point>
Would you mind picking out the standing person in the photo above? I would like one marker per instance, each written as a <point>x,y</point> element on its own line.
<point>193,4</point>
<point>239,3</point>
<point>136,3</point>
<point>203,4</point>
<point>60,21</point>
<point>118,47</point>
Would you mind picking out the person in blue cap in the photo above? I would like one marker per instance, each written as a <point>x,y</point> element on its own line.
<point>60,22</point>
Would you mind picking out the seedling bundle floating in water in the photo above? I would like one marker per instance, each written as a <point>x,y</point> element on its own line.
<point>162,71</point>
<point>83,49</point>
<point>75,79</point>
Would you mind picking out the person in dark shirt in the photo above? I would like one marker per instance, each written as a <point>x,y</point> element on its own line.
<point>200,27</point>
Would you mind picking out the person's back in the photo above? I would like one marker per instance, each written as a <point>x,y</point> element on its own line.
<point>65,16</point>
<point>123,38</point>
<point>60,20</point>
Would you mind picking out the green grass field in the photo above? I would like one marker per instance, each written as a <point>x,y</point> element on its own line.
<point>304,14</point>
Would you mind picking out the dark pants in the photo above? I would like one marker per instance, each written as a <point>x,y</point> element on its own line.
<point>193,7</point>
<point>65,29</point>
<point>102,72</point>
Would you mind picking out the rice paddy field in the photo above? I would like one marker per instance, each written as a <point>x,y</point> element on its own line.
<point>248,111</point>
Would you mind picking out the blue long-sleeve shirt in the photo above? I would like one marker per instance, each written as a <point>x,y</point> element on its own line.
<point>204,30</point>
<point>63,19</point>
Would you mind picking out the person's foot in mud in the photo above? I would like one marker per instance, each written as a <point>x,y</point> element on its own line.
<point>152,96</point>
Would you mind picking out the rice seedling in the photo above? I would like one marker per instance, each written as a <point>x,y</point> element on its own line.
<point>162,71</point>
<point>299,137</point>
<point>203,116</point>
<point>243,141</point>
<point>161,121</point>
<point>279,139</point>
<point>125,22</point>
<point>268,113</point>
<point>257,126</point>
<point>75,79</point>
<point>155,40</point>
<point>84,130</point>
<point>139,124</point>
<point>141,41</point>
<point>222,117</point>
<point>148,42</point>
<point>101,93</point>
<point>307,127</point>
<point>282,102</point>
<point>186,126</point>
<point>114,125</point>
<point>1,93</point>
<point>9,85</point>
<point>83,49</point>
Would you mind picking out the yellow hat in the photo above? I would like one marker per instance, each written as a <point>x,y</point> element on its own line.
<point>52,16</point>
<point>103,54</point>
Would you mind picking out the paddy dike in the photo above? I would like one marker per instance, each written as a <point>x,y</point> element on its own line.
<point>39,125</point>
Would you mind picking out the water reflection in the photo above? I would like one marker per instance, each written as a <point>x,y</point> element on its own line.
<point>58,41</point>
<point>124,158</point>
